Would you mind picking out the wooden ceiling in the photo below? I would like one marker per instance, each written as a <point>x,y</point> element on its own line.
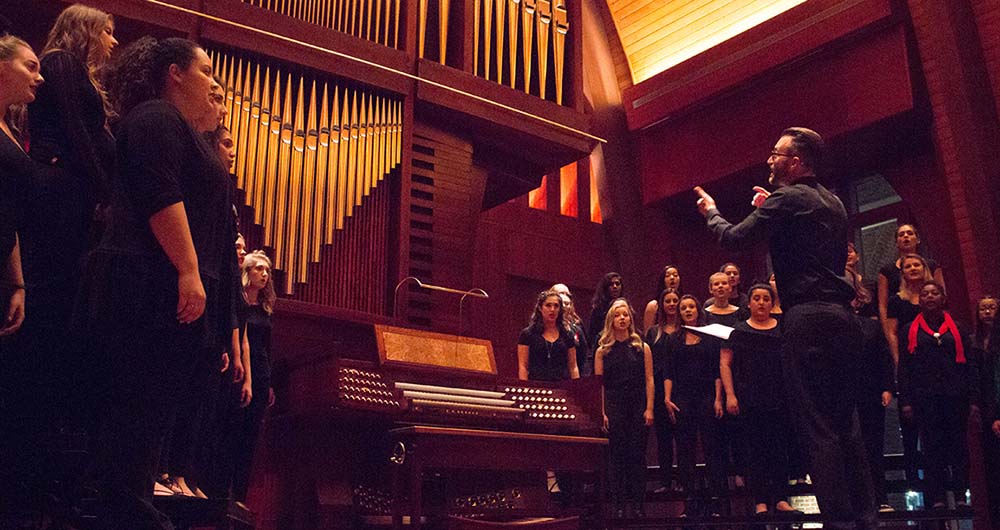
<point>658,34</point>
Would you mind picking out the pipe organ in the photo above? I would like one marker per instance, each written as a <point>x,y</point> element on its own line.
<point>374,20</point>
<point>308,155</point>
<point>500,28</point>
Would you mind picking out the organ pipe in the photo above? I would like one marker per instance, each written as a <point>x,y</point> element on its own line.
<point>373,20</point>
<point>307,156</point>
<point>543,23</point>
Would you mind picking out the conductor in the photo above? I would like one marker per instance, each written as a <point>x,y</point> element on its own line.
<point>806,229</point>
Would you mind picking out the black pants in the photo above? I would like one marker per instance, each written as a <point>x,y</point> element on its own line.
<point>697,416</point>
<point>991,456</point>
<point>733,435</point>
<point>243,436</point>
<point>769,436</point>
<point>871,416</point>
<point>627,436</point>
<point>942,421</point>
<point>147,367</point>
<point>46,392</point>
<point>821,340</point>
<point>911,457</point>
<point>664,430</point>
<point>193,422</point>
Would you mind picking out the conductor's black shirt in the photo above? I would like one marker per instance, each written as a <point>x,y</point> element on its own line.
<point>806,227</point>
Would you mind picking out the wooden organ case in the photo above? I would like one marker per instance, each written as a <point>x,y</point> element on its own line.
<point>409,427</point>
<point>370,135</point>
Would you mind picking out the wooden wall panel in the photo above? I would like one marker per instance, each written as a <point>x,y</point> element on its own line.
<point>445,198</point>
<point>857,86</point>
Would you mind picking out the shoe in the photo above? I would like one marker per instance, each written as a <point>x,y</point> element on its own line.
<point>885,508</point>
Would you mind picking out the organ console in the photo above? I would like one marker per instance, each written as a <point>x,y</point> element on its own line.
<point>367,410</point>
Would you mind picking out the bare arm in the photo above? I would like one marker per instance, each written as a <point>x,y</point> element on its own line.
<point>719,412</point>
<point>891,325</point>
<point>522,362</point>
<point>15,305</point>
<point>170,226</point>
<point>726,375</point>
<point>647,358</point>
<point>574,370</point>
<point>649,315</point>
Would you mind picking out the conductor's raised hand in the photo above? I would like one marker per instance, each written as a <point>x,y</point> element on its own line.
<point>759,196</point>
<point>705,201</point>
<point>190,297</point>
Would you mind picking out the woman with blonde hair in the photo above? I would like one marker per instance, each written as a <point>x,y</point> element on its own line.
<point>626,365</point>
<point>258,289</point>
<point>902,307</point>
<point>58,223</point>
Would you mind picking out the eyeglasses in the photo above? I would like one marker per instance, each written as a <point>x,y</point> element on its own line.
<point>775,153</point>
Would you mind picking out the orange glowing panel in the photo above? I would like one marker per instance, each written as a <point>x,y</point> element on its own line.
<point>659,34</point>
<point>537,197</point>
<point>595,198</point>
<point>567,191</point>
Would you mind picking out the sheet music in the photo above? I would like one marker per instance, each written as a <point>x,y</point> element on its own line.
<point>714,330</point>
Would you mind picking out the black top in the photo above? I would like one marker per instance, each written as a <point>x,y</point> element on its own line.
<point>162,161</point>
<point>895,276</point>
<point>70,141</point>
<point>582,349</point>
<point>875,367</point>
<point>624,370</point>
<point>694,369</point>
<point>904,312</point>
<point>259,337</point>
<point>661,350</point>
<point>806,226</point>
<point>757,366</point>
<point>726,320</point>
<point>595,326</point>
<point>67,124</point>
<point>15,169</point>
<point>989,384</point>
<point>931,369</point>
<point>547,361</point>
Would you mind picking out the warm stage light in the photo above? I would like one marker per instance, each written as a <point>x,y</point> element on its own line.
<point>659,34</point>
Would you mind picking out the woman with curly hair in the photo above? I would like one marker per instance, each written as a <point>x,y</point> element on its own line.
<point>627,366</point>
<point>156,297</point>
<point>546,349</point>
